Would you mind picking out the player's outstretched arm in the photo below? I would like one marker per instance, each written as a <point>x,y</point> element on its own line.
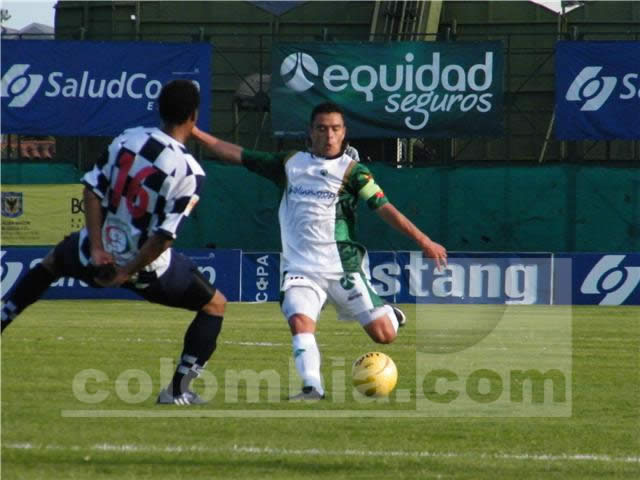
<point>397,220</point>
<point>228,152</point>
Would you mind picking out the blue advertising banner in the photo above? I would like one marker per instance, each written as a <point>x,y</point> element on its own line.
<point>385,274</point>
<point>597,90</point>
<point>260,277</point>
<point>221,267</point>
<point>603,279</point>
<point>54,87</point>
<point>400,277</point>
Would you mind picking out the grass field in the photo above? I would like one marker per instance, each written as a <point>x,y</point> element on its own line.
<point>79,380</point>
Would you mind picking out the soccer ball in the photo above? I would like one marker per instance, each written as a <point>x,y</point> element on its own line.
<point>374,374</point>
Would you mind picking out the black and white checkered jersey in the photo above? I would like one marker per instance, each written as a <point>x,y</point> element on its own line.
<point>148,184</point>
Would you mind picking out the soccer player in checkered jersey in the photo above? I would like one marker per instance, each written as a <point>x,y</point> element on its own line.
<point>321,258</point>
<point>135,199</point>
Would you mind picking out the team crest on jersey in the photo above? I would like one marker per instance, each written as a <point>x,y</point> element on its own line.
<point>116,240</point>
<point>324,172</point>
<point>12,205</point>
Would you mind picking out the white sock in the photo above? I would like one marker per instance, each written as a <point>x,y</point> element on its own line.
<point>307,359</point>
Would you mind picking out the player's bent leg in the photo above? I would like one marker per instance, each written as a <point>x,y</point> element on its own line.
<point>200,340</point>
<point>381,324</point>
<point>356,298</point>
<point>216,305</point>
<point>381,330</point>
<point>30,288</point>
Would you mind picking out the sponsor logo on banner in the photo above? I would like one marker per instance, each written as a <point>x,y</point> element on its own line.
<point>308,191</point>
<point>15,83</point>
<point>10,272</point>
<point>594,90</point>
<point>294,71</point>
<point>512,281</point>
<point>260,277</point>
<point>590,89</point>
<point>464,87</point>
<point>391,90</point>
<point>610,278</point>
<point>133,85</point>
<point>12,204</point>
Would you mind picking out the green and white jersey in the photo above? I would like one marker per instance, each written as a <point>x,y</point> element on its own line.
<point>318,208</point>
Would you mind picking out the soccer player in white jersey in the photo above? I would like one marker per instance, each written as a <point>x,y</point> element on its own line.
<point>135,199</point>
<point>322,260</point>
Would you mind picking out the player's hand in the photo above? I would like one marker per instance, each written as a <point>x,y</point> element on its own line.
<point>113,277</point>
<point>437,252</point>
<point>103,268</point>
<point>100,257</point>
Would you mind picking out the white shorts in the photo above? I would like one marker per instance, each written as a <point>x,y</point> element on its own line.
<point>352,295</point>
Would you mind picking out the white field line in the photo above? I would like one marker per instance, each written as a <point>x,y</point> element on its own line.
<point>254,344</point>
<point>252,450</point>
<point>161,340</point>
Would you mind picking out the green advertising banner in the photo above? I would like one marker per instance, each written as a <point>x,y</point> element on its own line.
<point>403,89</point>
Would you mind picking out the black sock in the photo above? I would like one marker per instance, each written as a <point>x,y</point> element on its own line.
<point>199,345</point>
<point>29,289</point>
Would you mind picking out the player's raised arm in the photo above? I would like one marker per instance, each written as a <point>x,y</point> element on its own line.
<point>228,152</point>
<point>397,220</point>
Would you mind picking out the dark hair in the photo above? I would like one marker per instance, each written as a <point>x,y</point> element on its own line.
<point>178,101</point>
<point>327,107</point>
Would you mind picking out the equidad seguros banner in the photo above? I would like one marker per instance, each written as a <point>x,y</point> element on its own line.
<point>403,89</point>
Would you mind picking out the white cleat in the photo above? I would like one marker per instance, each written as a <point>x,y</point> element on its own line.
<point>400,316</point>
<point>186,398</point>
<point>307,393</point>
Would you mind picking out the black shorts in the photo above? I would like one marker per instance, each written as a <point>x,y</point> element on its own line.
<point>181,285</point>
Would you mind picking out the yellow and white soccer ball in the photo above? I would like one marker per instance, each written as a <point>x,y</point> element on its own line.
<point>374,374</point>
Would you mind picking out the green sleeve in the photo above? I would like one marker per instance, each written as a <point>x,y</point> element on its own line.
<point>362,184</point>
<point>267,164</point>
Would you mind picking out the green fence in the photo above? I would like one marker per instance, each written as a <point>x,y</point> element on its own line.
<point>544,208</point>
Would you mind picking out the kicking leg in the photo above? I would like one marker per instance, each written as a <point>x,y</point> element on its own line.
<point>381,324</point>
<point>355,297</point>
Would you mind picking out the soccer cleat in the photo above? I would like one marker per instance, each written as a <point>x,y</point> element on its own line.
<point>185,398</point>
<point>307,393</point>
<point>400,316</point>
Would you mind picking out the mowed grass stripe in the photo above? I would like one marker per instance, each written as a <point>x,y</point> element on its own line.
<point>251,450</point>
